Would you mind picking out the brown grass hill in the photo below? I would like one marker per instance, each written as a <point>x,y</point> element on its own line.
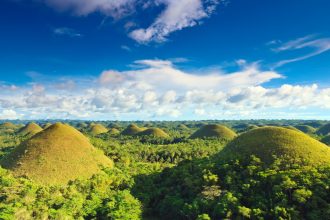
<point>214,131</point>
<point>132,129</point>
<point>267,142</point>
<point>113,131</point>
<point>306,129</point>
<point>55,156</point>
<point>30,129</point>
<point>97,129</point>
<point>154,132</point>
<point>7,125</point>
<point>324,130</point>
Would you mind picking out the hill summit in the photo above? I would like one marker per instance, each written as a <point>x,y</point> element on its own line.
<point>214,131</point>
<point>98,129</point>
<point>55,156</point>
<point>267,142</point>
<point>132,129</point>
<point>154,132</point>
<point>30,129</point>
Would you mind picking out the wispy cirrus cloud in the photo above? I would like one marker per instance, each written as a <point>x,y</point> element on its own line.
<point>317,45</point>
<point>65,31</point>
<point>175,16</point>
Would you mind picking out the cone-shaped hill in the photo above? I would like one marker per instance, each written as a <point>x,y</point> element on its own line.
<point>306,129</point>
<point>7,125</point>
<point>55,156</point>
<point>182,127</point>
<point>98,129</point>
<point>214,131</point>
<point>30,129</point>
<point>154,132</point>
<point>132,129</point>
<point>267,142</point>
<point>113,131</point>
<point>324,130</point>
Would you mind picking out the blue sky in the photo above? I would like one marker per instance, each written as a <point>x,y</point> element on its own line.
<point>164,59</point>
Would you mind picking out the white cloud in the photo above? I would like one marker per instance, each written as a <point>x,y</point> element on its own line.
<point>318,46</point>
<point>9,114</point>
<point>155,89</point>
<point>177,16</point>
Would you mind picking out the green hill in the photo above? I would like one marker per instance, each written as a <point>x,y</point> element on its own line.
<point>214,131</point>
<point>7,125</point>
<point>97,129</point>
<point>113,131</point>
<point>30,129</point>
<point>132,129</point>
<point>326,140</point>
<point>324,130</point>
<point>267,142</point>
<point>55,156</point>
<point>183,127</point>
<point>306,129</point>
<point>154,132</point>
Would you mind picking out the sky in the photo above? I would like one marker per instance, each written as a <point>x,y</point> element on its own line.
<point>164,59</point>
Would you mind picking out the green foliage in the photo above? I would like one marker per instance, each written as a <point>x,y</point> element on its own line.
<point>214,131</point>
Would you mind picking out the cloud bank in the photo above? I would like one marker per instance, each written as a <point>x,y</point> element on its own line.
<point>158,89</point>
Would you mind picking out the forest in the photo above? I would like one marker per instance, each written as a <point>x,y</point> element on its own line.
<point>253,169</point>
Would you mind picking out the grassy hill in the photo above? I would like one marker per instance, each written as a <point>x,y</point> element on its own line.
<point>267,142</point>
<point>324,130</point>
<point>154,132</point>
<point>97,129</point>
<point>56,155</point>
<point>306,129</point>
<point>113,131</point>
<point>214,131</point>
<point>7,125</point>
<point>132,129</point>
<point>30,129</point>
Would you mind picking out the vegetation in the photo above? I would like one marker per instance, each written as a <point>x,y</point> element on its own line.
<point>30,129</point>
<point>55,156</point>
<point>97,129</point>
<point>214,131</point>
<point>267,172</point>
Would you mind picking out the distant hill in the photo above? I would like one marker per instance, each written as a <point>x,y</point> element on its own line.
<point>214,131</point>
<point>96,129</point>
<point>7,125</point>
<point>132,129</point>
<point>267,142</point>
<point>306,129</point>
<point>324,130</point>
<point>55,156</point>
<point>113,131</point>
<point>154,132</point>
<point>30,129</point>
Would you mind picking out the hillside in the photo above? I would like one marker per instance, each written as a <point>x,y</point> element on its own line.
<point>306,129</point>
<point>56,155</point>
<point>154,132</point>
<point>324,130</point>
<point>267,142</point>
<point>30,129</point>
<point>96,129</point>
<point>132,129</point>
<point>214,131</point>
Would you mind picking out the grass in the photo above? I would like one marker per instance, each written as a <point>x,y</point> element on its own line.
<point>267,142</point>
<point>306,129</point>
<point>7,125</point>
<point>214,131</point>
<point>132,129</point>
<point>55,156</point>
<point>30,129</point>
<point>98,129</point>
<point>113,131</point>
<point>154,132</point>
